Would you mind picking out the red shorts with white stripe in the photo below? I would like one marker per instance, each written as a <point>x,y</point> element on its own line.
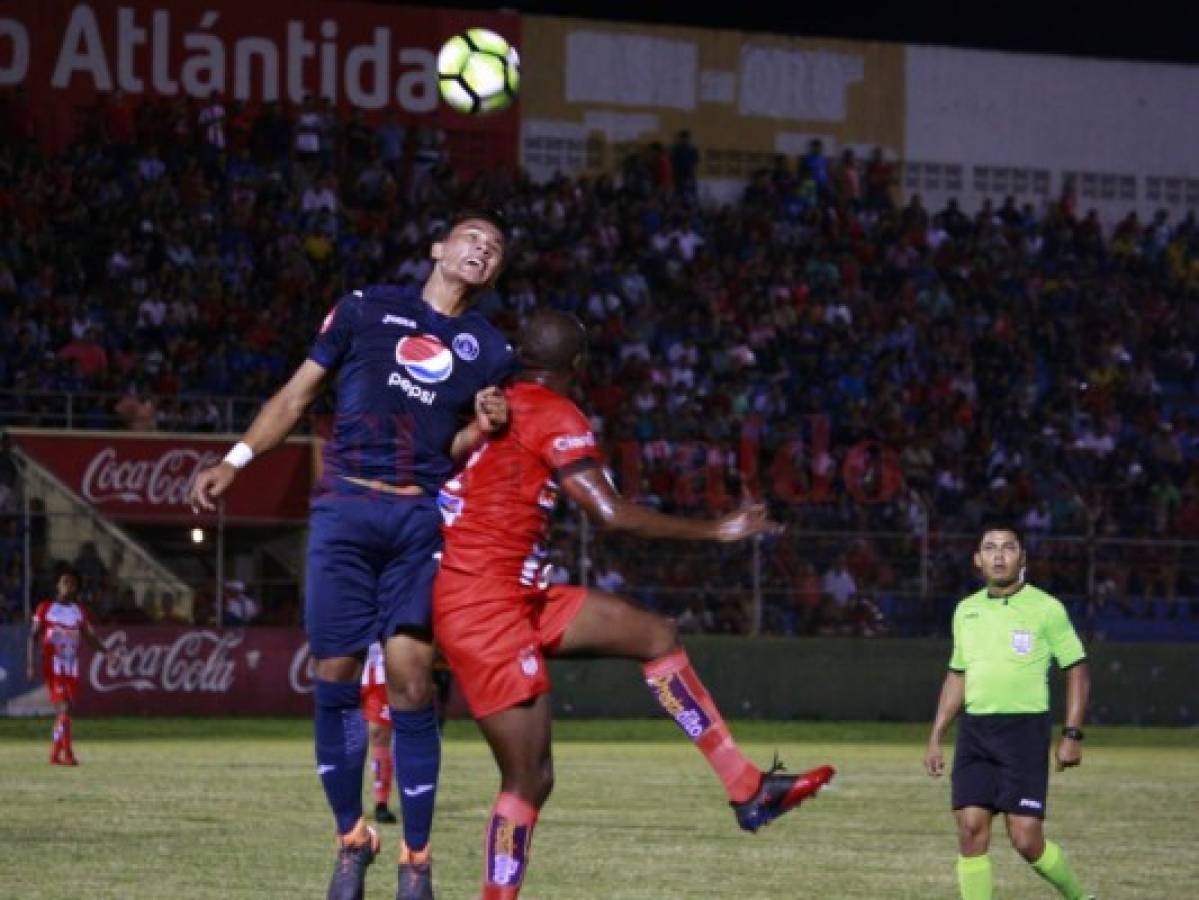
<point>62,688</point>
<point>495,634</point>
<point>374,704</point>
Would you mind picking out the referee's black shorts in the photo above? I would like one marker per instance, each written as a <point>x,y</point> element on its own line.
<point>1001,763</point>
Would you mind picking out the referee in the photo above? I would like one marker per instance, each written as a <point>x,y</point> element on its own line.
<point>1003,639</point>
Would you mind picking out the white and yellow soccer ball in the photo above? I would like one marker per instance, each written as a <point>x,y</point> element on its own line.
<point>478,72</point>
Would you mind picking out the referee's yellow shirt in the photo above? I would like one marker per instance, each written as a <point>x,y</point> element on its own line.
<point>1003,645</point>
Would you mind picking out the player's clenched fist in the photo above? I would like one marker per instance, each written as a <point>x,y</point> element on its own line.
<point>744,523</point>
<point>491,409</point>
<point>934,761</point>
<point>209,485</point>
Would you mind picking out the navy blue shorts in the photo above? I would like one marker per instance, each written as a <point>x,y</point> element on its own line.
<point>1002,763</point>
<point>372,557</point>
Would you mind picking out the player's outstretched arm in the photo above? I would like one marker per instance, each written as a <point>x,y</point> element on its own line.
<point>953,695</point>
<point>590,488</point>
<point>273,423</point>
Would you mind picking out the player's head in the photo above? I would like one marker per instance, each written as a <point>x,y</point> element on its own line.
<point>471,249</point>
<point>1000,553</point>
<point>552,341</point>
<point>67,585</point>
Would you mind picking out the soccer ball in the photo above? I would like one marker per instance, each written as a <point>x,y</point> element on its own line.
<point>478,72</point>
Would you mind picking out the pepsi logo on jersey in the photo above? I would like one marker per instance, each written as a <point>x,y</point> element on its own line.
<point>425,358</point>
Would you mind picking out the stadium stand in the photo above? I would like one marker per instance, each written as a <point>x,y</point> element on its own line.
<point>885,369</point>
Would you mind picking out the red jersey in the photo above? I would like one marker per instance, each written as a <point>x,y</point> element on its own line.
<point>61,627</point>
<point>497,509</point>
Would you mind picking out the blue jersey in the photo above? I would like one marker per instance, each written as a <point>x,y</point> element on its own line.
<point>406,381</point>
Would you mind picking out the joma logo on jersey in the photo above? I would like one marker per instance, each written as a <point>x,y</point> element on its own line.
<point>425,358</point>
<point>415,391</point>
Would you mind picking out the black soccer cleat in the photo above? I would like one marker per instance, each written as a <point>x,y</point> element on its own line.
<point>349,872</point>
<point>778,793</point>
<point>415,874</point>
<point>383,815</point>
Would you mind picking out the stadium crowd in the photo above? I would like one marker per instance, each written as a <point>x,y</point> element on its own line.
<point>867,365</point>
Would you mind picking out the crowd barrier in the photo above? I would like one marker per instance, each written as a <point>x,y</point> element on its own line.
<point>156,670</point>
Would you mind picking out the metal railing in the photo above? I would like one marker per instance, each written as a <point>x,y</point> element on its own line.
<point>898,582</point>
<point>103,411</point>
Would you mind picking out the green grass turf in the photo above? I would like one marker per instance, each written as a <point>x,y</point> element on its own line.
<point>179,809</point>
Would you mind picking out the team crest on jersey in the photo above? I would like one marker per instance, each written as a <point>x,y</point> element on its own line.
<point>528,662</point>
<point>466,346</point>
<point>1022,641</point>
<point>425,358</point>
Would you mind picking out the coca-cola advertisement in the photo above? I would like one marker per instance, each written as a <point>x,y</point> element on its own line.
<point>149,670</point>
<point>147,478</point>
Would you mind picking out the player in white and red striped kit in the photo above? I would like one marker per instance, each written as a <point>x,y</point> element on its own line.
<point>59,624</point>
<point>378,725</point>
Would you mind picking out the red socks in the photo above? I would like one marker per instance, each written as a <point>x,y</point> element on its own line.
<point>381,766</point>
<point>678,690</point>
<point>506,853</point>
<point>62,751</point>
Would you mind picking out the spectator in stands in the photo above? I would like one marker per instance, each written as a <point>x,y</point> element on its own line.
<point>88,353</point>
<point>839,585</point>
<point>684,162</point>
<point>787,304</point>
<point>240,608</point>
<point>137,409</point>
<point>91,570</point>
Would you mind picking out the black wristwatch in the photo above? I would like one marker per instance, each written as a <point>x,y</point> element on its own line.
<point>1074,734</point>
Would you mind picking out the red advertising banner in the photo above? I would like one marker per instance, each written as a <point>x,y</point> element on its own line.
<point>146,478</point>
<point>377,58</point>
<point>152,670</point>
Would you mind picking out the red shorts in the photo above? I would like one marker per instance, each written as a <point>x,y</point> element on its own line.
<point>63,688</point>
<point>375,706</point>
<point>495,634</point>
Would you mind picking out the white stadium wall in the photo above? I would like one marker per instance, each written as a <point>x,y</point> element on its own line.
<point>984,124</point>
<point>965,123</point>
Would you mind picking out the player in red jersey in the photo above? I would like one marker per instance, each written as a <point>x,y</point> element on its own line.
<point>60,624</point>
<point>378,730</point>
<point>496,619</point>
<point>377,713</point>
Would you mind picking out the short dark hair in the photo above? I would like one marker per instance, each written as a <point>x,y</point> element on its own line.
<point>551,340</point>
<point>1001,524</point>
<point>492,216</point>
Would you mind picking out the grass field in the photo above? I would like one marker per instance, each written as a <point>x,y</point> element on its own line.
<point>180,809</point>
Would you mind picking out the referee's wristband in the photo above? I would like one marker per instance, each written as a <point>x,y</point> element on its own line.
<point>240,455</point>
<point>1074,734</point>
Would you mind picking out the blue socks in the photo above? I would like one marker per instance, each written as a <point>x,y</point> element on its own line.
<point>417,747</point>
<point>340,749</point>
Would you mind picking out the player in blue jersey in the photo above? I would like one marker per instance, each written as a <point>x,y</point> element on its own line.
<point>411,367</point>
